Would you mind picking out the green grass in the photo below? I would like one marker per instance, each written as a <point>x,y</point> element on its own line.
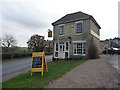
<point>21,49</point>
<point>55,70</point>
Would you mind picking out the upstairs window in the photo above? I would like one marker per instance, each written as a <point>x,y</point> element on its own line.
<point>78,27</point>
<point>61,29</point>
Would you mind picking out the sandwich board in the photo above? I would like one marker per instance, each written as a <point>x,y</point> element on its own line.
<point>38,62</point>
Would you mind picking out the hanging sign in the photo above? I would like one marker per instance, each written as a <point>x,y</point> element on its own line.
<point>38,62</point>
<point>49,33</point>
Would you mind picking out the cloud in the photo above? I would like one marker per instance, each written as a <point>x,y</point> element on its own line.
<point>25,15</point>
<point>24,19</point>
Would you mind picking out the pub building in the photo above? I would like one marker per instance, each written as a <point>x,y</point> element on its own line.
<point>72,35</point>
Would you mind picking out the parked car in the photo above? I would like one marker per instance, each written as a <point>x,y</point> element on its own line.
<point>115,51</point>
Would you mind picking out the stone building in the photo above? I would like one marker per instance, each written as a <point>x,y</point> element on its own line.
<point>72,35</point>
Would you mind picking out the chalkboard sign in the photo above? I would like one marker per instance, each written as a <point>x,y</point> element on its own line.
<point>37,62</point>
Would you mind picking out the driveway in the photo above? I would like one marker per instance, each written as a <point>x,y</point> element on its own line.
<point>12,68</point>
<point>96,73</point>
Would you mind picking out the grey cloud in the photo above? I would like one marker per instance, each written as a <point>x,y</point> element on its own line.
<point>24,15</point>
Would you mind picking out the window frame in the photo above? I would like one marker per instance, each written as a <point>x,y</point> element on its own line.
<point>55,50</point>
<point>75,47</point>
<point>63,31</point>
<point>75,27</point>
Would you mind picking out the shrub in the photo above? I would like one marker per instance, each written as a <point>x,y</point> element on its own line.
<point>6,56</point>
<point>92,50</point>
<point>48,53</point>
<point>16,55</point>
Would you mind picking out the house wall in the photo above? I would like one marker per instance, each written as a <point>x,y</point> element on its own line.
<point>86,35</point>
<point>70,32</point>
<point>98,44</point>
<point>94,27</point>
<point>96,36</point>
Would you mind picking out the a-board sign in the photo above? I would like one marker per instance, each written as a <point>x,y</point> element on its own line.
<point>38,62</point>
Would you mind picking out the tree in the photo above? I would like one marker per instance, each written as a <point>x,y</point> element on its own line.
<point>9,45</point>
<point>92,50</point>
<point>8,41</point>
<point>36,43</point>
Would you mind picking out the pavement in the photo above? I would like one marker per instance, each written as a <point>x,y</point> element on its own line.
<point>96,73</point>
<point>12,68</point>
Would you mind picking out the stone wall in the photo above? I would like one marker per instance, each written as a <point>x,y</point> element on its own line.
<point>70,31</point>
<point>86,35</point>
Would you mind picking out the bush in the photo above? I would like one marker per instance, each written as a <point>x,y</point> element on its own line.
<point>6,56</point>
<point>38,48</point>
<point>16,55</point>
<point>48,53</point>
<point>92,51</point>
<point>23,54</point>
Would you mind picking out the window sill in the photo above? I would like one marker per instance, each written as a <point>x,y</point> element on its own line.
<point>78,34</point>
<point>79,54</point>
<point>61,35</point>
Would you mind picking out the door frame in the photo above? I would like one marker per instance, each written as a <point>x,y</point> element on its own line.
<point>62,51</point>
<point>68,51</point>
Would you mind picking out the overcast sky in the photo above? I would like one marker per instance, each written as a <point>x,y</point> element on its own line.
<point>23,18</point>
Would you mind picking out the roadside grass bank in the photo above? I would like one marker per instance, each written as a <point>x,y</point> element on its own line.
<point>55,70</point>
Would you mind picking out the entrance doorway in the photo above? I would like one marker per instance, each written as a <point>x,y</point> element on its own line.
<point>62,51</point>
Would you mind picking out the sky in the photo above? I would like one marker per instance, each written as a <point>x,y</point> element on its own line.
<point>23,18</point>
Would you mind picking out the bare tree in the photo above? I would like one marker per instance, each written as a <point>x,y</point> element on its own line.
<point>8,41</point>
<point>9,44</point>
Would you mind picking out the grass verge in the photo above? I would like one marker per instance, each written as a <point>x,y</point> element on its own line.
<point>55,70</point>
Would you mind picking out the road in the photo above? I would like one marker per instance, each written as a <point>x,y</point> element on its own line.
<point>12,68</point>
<point>114,62</point>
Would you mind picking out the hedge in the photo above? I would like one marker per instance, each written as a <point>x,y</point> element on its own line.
<point>16,55</point>
<point>19,55</point>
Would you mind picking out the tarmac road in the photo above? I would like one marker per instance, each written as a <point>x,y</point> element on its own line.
<point>12,68</point>
<point>114,62</point>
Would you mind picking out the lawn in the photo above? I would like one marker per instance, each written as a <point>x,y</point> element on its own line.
<point>22,49</point>
<point>55,70</point>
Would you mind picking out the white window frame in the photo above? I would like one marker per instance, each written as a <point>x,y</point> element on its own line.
<point>55,49</point>
<point>59,29</point>
<point>68,48</point>
<point>76,49</point>
<point>75,27</point>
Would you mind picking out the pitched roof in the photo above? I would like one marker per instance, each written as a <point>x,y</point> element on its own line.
<point>74,17</point>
